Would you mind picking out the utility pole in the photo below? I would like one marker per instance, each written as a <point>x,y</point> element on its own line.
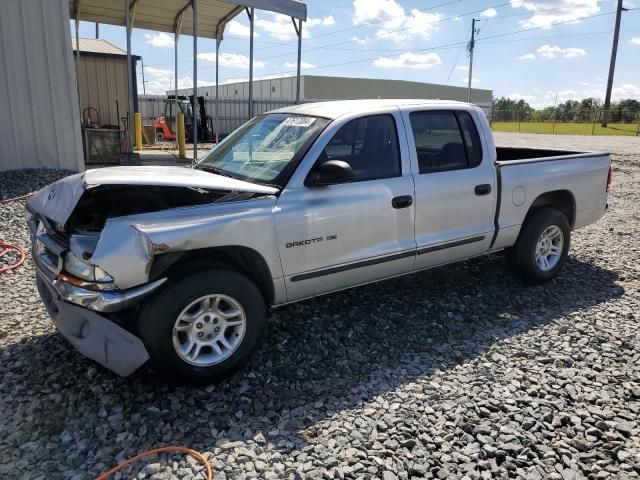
<point>470,47</point>
<point>612,65</point>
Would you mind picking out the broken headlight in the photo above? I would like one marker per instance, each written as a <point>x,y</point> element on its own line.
<point>81,269</point>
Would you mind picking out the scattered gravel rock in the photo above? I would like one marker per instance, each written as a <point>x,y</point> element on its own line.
<point>459,372</point>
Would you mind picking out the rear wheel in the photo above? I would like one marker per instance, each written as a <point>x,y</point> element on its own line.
<point>542,246</point>
<point>204,327</point>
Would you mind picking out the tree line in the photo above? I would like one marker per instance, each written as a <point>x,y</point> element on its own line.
<point>585,110</point>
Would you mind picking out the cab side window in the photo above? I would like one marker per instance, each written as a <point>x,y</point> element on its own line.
<point>370,145</point>
<point>445,140</point>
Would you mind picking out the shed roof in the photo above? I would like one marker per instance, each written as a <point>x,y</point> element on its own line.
<point>162,15</point>
<point>95,45</point>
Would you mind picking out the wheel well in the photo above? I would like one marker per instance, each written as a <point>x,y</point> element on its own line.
<point>561,200</point>
<point>244,259</point>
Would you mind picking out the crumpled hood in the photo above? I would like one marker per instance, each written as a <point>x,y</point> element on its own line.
<point>57,201</point>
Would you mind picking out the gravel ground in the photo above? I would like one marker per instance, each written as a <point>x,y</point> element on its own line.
<point>460,372</point>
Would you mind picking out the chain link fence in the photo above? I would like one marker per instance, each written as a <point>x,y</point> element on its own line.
<point>560,121</point>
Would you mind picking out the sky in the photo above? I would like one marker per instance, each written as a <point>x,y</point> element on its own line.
<point>537,50</point>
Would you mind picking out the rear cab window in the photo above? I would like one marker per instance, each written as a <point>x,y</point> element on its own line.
<point>445,140</point>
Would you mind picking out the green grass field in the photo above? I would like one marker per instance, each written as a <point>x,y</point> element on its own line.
<point>566,128</point>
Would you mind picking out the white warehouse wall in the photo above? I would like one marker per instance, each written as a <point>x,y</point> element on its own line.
<point>39,123</point>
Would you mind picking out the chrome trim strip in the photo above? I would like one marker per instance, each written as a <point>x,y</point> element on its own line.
<point>457,243</point>
<point>351,266</point>
<point>105,301</point>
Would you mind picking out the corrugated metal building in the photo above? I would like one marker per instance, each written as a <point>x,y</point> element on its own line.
<point>102,78</point>
<point>269,94</point>
<point>39,123</point>
<point>343,88</point>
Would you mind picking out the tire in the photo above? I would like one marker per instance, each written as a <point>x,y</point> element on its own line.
<point>522,256</point>
<point>160,315</point>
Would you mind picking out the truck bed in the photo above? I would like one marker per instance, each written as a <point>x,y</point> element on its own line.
<point>514,154</point>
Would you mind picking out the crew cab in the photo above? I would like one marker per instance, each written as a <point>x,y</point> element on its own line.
<point>179,265</point>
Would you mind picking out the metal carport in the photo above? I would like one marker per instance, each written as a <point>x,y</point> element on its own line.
<point>208,19</point>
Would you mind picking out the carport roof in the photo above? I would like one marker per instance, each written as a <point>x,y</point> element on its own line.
<point>162,15</point>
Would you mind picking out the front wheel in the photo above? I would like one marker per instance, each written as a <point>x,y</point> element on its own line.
<point>204,327</point>
<point>542,246</point>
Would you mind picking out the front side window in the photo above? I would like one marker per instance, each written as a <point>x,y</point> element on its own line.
<point>445,140</point>
<point>263,149</point>
<point>369,145</point>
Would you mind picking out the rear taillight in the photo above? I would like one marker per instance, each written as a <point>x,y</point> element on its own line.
<point>609,175</point>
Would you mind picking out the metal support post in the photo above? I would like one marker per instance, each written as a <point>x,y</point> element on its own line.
<point>194,7</point>
<point>130,79</point>
<point>251,14</point>
<point>217,94</point>
<point>298,28</point>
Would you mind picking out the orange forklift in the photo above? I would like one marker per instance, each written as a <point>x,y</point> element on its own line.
<point>166,126</point>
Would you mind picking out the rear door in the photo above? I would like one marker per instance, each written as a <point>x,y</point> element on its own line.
<point>455,186</point>
<point>342,235</point>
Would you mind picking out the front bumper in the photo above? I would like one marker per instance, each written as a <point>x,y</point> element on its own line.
<point>104,301</point>
<point>92,334</point>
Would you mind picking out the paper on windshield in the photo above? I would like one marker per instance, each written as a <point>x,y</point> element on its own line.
<point>298,121</point>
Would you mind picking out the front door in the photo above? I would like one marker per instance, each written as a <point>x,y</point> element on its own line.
<point>342,235</point>
<point>455,186</point>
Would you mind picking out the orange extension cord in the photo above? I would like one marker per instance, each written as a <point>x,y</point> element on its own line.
<point>7,247</point>
<point>153,451</point>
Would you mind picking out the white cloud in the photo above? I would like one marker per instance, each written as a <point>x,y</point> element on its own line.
<point>159,80</point>
<point>303,64</point>
<point>489,13</point>
<point>409,60</point>
<point>421,23</point>
<point>391,17</point>
<point>325,22</point>
<point>236,60</point>
<point>547,12</point>
<point>239,30</point>
<point>463,68</point>
<point>358,40</point>
<point>457,19</point>
<point>635,40</point>
<point>465,80</point>
<point>626,90</point>
<point>519,96</point>
<point>328,21</point>
<point>280,27</point>
<point>160,39</point>
<point>548,51</point>
<point>367,11</point>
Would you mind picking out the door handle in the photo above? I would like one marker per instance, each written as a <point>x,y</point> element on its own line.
<point>402,201</point>
<point>483,189</point>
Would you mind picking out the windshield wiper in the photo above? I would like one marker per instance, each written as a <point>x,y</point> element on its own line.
<point>215,170</point>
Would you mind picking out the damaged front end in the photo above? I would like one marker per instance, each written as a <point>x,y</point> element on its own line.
<point>89,269</point>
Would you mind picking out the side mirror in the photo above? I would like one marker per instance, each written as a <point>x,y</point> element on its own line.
<point>330,172</point>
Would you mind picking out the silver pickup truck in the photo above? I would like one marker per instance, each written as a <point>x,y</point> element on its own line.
<point>180,265</point>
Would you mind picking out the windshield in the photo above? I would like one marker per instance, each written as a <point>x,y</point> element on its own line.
<point>261,150</point>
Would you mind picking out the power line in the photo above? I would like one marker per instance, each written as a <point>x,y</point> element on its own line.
<point>464,42</point>
<point>453,44</point>
<point>389,32</point>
